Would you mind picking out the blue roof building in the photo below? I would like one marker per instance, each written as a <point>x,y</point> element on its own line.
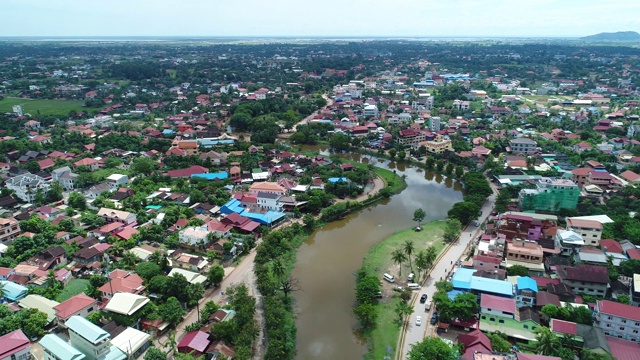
<point>491,286</point>
<point>53,344</point>
<point>168,132</point>
<point>207,143</point>
<point>337,179</point>
<point>267,218</point>
<point>13,291</point>
<point>91,340</point>
<point>453,293</point>
<point>527,283</point>
<point>526,291</point>
<point>461,280</point>
<point>223,175</point>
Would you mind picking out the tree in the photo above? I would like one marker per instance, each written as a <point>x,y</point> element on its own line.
<point>289,285</point>
<point>147,270</point>
<point>449,168</point>
<point>367,288</point>
<point>421,262</point>
<point>408,249</point>
<point>392,153</point>
<point>431,348</point>
<point>517,270</point>
<point>464,306</point>
<point>171,311</point>
<point>623,299</point>
<point>546,342</point>
<point>398,257</point>
<point>215,275</point>
<point>629,267</point>
<point>499,342</point>
<point>452,230</point>
<point>465,211</point>
<point>430,162</point>
<point>153,353</point>
<point>309,221</point>
<point>129,260</point>
<point>419,215</point>
<point>402,310</point>
<point>340,142</point>
<point>367,314</point>
<point>143,165</point>
<point>459,171</point>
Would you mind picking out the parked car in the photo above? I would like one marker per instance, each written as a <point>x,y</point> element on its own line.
<point>423,298</point>
<point>418,320</point>
<point>434,318</point>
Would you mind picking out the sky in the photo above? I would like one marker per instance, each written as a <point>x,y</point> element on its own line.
<point>327,18</point>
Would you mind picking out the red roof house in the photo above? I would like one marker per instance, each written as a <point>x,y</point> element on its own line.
<point>474,341</point>
<point>195,342</point>
<point>79,304</point>
<point>14,345</point>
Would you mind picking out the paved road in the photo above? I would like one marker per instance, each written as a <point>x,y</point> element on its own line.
<point>242,273</point>
<point>310,117</point>
<point>441,270</point>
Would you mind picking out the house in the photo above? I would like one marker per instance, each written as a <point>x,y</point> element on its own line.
<point>107,230</point>
<point>40,303</point>
<point>194,235</point>
<point>194,342</point>
<point>9,230</point>
<point>630,176</point>
<point>592,255</point>
<point>27,186</point>
<point>220,350</point>
<point>80,305</point>
<point>267,187</point>
<point>519,324</point>
<point>96,190</point>
<point>550,195</point>
<point>523,146</point>
<point>582,146</point>
<point>132,342</point>
<point>496,305</point>
<point>474,342</point>
<point>86,256</point>
<point>92,164</point>
<point>13,291</point>
<point>65,177</point>
<point>192,277</point>
<point>618,320</point>
<point>590,230</point>
<point>115,181</point>
<point>411,137</point>
<point>15,346</point>
<point>269,201</point>
<point>438,145</point>
<point>525,253</point>
<point>111,215</point>
<point>126,304</point>
<point>187,147</point>
<point>121,282</point>
<point>91,340</point>
<point>216,158</point>
<point>187,261</point>
<point>569,242</point>
<point>187,172</point>
<point>54,348</point>
<point>526,291</point>
<point>585,278</point>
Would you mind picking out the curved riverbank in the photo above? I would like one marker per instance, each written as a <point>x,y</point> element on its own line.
<point>378,261</point>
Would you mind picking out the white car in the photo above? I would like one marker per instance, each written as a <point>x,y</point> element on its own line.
<point>418,320</point>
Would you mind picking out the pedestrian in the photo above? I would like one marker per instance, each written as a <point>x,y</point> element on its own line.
<point>452,261</point>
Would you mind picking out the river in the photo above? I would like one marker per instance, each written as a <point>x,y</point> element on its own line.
<point>327,261</point>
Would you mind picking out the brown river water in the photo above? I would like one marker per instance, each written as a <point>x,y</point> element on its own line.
<point>326,263</point>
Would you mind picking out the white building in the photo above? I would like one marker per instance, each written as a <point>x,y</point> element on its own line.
<point>568,242</point>
<point>115,181</point>
<point>91,340</point>
<point>434,123</point>
<point>65,177</point>
<point>618,320</point>
<point>194,235</point>
<point>590,230</point>
<point>370,110</point>
<point>27,186</point>
<point>269,201</point>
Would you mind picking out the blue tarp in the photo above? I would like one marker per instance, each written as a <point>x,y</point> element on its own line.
<point>212,176</point>
<point>453,293</point>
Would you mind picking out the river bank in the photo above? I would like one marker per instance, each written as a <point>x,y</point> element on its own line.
<point>378,261</point>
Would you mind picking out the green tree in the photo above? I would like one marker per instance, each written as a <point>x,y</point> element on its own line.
<point>129,260</point>
<point>499,342</point>
<point>419,215</point>
<point>392,153</point>
<point>398,257</point>
<point>409,249</point>
<point>367,289</point>
<point>143,165</point>
<point>147,270</point>
<point>153,353</point>
<point>452,230</point>
<point>171,311</point>
<point>367,314</point>
<point>430,162</point>
<point>465,211</point>
<point>215,275</point>
<point>464,306</point>
<point>459,171</point>
<point>517,270</point>
<point>449,168</point>
<point>403,310</point>
<point>340,142</point>
<point>624,299</point>
<point>309,221</point>
<point>431,348</point>
<point>546,342</point>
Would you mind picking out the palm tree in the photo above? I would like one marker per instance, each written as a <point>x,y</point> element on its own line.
<point>408,249</point>
<point>277,269</point>
<point>129,260</point>
<point>160,258</point>
<point>431,256</point>
<point>398,257</point>
<point>1,289</point>
<point>546,341</point>
<point>421,261</point>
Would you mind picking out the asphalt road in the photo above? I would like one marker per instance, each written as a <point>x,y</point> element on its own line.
<point>441,270</point>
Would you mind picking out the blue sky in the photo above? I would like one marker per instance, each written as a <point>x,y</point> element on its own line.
<point>360,18</point>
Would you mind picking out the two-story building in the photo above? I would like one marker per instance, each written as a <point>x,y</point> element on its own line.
<point>584,278</point>
<point>525,253</point>
<point>80,305</point>
<point>569,242</point>
<point>9,230</point>
<point>438,145</point>
<point>526,292</point>
<point>65,177</point>
<point>618,320</point>
<point>54,348</point>
<point>111,215</point>
<point>501,314</point>
<point>91,340</point>
<point>121,282</point>
<point>15,346</point>
<point>115,181</point>
<point>194,235</point>
<point>90,163</point>
<point>269,201</point>
<point>590,230</point>
<point>267,187</point>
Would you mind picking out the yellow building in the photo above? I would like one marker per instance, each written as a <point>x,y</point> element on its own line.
<point>438,145</point>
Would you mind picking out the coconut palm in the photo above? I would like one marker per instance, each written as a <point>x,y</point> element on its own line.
<point>421,262</point>
<point>431,255</point>
<point>160,258</point>
<point>398,257</point>
<point>129,260</point>
<point>277,269</point>
<point>409,249</point>
<point>546,341</point>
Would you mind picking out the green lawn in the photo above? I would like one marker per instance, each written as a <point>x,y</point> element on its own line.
<point>102,174</point>
<point>46,107</point>
<point>74,287</point>
<point>378,261</point>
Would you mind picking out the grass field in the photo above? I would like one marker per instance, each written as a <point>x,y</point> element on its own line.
<point>377,261</point>
<point>74,287</point>
<point>44,106</point>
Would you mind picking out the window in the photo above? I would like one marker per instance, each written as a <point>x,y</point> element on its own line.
<point>621,328</point>
<point>608,325</point>
<point>492,319</point>
<point>90,309</point>
<point>525,326</point>
<point>501,321</point>
<point>483,317</point>
<point>609,318</point>
<point>635,331</point>
<point>624,321</point>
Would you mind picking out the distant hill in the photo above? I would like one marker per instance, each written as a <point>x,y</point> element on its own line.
<point>615,36</point>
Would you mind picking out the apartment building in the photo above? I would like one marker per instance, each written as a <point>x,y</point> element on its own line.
<point>523,146</point>
<point>550,195</point>
<point>618,320</point>
<point>27,186</point>
<point>584,278</point>
<point>9,230</point>
<point>590,230</point>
